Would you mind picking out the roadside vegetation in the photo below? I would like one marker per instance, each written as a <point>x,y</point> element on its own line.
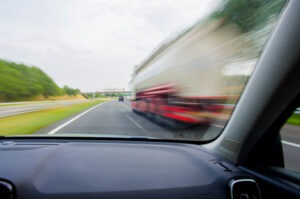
<point>249,15</point>
<point>30,123</point>
<point>294,119</point>
<point>19,82</point>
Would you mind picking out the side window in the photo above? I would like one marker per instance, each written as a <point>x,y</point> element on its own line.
<point>290,135</point>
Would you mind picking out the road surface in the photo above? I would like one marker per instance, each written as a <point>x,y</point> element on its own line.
<point>116,118</point>
<point>9,109</point>
<point>290,135</point>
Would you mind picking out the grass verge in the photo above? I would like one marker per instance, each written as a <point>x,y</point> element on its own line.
<point>30,123</point>
<point>294,119</point>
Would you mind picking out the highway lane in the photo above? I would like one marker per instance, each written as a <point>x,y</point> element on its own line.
<point>291,157</point>
<point>116,118</point>
<point>291,146</point>
<point>9,109</point>
<point>291,133</point>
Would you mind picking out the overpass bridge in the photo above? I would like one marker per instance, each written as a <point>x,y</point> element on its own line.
<point>108,93</point>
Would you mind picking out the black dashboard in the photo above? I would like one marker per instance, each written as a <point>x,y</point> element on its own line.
<point>43,168</point>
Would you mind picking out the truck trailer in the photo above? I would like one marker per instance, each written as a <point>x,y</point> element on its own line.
<point>191,78</point>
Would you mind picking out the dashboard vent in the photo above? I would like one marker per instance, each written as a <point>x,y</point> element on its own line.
<point>244,189</point>
<point>6,190</point>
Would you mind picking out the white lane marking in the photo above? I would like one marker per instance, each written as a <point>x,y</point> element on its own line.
<point>218,125</point>
<point>132,120</point>
<point>73,119</point>
<point>291,143</point>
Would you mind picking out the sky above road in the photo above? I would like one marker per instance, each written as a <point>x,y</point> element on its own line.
<point>91,44</point>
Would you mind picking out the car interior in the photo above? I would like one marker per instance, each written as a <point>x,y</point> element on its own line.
<point>244,161</point>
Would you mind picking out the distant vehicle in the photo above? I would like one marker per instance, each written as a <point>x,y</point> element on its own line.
<point>121,98</point>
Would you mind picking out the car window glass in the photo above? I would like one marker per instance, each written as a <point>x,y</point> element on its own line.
<point>290,138</point>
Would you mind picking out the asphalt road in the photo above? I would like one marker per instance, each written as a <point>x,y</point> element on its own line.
<point>290,135</point>
<point>9,109</point>
<point>116,118</point>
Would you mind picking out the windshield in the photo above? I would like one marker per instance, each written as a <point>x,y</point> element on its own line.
<point>134,69</point>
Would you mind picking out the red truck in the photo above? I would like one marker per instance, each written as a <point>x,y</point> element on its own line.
<point>161,103</point>
<point>189,79</point>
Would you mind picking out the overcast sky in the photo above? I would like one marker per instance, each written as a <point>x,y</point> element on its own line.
<point>90,44</point>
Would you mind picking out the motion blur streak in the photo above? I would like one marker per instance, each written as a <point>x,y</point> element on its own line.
<point>197,77</point>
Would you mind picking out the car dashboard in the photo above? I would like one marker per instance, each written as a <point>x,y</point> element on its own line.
<point>41,168</point>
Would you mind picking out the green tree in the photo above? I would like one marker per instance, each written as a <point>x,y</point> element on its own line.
<point>249,14</point>
<point>21,82</point>
<point>71,91</point>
